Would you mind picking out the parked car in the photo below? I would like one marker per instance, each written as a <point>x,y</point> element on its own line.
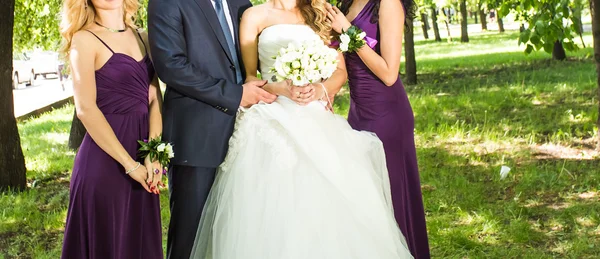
<point>22,70</point>
<point>44,63</point>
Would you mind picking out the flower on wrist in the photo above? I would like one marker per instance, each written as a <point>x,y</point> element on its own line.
<point>156,150</point>
<point>352,39</point>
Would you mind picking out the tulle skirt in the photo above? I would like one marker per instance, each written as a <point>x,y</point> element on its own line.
<point>299,183</point>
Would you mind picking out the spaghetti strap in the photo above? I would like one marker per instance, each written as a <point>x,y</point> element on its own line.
<point>102,41</point>
<point>143,43</point>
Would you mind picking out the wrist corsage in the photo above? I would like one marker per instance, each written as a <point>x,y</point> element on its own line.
<point>353,39</point>
<point>156,150</point>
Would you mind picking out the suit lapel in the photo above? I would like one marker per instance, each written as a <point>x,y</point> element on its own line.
<point>211,16</point>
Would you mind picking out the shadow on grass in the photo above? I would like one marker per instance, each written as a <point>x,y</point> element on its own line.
<point>536,212</point>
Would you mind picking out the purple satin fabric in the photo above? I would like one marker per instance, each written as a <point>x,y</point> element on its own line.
<point>386,111</point>
<point>110,214</point>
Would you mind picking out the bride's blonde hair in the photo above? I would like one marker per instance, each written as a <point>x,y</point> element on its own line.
<point>78,14</point>
<point>315,15</point>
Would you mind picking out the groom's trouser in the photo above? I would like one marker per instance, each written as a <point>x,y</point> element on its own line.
<point>188,187</point>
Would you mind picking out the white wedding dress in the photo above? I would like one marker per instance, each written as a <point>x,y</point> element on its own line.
<point>298,183</point>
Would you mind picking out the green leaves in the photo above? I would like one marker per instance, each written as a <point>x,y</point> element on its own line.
<point>524,37</point>
<point>529,49</point>
<point>37,24</point>
<point>549,21</point>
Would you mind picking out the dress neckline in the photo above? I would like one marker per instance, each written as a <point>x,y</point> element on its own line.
<point>359,15</point>
<point>124,55</point>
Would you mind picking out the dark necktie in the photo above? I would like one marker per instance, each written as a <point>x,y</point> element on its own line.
<point>228,37</point>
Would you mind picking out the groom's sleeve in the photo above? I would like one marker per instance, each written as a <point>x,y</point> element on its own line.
<point>168,47</point>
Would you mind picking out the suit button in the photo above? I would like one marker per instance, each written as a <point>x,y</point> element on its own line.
<point>232,67</point>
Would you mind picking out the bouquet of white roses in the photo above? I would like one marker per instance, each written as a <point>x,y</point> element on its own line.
<point>309,62</point>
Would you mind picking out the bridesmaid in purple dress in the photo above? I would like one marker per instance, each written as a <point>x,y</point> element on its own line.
<point>114,204</point>
<point>379,104</point>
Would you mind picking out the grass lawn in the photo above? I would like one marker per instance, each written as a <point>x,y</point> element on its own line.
<point>478,106</point>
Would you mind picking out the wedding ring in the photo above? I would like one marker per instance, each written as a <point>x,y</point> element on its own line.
<point>156,171</point>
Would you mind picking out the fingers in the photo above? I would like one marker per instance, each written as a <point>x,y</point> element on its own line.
<point>258,83</point>
<point>330,17</point>
<point>265,96</point>
<point>336,9</point>
<point>145,185</point>
<point>149,173</point>
<point>141,174</point>
<point>331,12</point>
<point>155,179</point>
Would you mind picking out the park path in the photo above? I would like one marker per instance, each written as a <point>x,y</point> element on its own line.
<point>43,93</point>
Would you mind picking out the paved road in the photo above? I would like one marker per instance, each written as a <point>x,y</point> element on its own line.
<point>44,92</point>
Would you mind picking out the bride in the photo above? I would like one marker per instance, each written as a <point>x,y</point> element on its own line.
<point>297,182</point>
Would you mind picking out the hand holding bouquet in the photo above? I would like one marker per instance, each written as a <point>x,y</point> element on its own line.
<point>309,62</point>
<point>157,156</point>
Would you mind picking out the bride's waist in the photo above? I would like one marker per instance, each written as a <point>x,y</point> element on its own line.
<point>283,99</point>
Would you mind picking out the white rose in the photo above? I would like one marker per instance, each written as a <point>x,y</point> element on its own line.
<point>287,57</point>
<point>320,64</point>
<point>169,150</point>
<point>362,35</point>
<point>161,147</point>
<point>345,39</point>
<point>313,76</point>
<point>304,62</point>
<point>286,70</point>
<point>344,47</point>
<point>299,80</point>
<point>291,47</point>
<point>296,64</point>
<point>280,68</point>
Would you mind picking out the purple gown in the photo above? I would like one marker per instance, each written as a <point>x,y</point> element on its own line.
<point>386,111</point>
<point>111,215</point>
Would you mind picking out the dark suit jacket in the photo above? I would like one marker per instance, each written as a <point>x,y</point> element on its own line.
<point>190,55</point>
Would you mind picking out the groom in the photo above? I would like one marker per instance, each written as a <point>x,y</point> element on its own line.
<point>194,46</point>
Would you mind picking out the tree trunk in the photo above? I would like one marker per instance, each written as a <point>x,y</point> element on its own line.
<point>434,22</point>
<point>77,132</point>
<point>581,31</point>
<point>558,53</point>
<point>595,10</point>
<point>475,16</point>
<point>483,17</point>
<point>409,49</point>
<point>424,25</point>
<point>447,21</point>
<point>464,35</point>
<point>500,25</point>
<point>12,162</point>
<point>522,28</point>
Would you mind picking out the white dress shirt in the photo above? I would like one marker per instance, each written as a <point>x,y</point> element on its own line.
<point>227,17</point>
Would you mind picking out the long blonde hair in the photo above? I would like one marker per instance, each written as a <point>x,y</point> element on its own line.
<point>78,14</point>
<point>315,15</point>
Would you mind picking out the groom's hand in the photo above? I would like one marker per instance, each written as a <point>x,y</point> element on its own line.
<point>253,94</point>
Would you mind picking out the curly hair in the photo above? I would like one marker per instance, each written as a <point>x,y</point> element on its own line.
<point>409,9</point>
<point>314,11</point>
<point>78,14</point>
